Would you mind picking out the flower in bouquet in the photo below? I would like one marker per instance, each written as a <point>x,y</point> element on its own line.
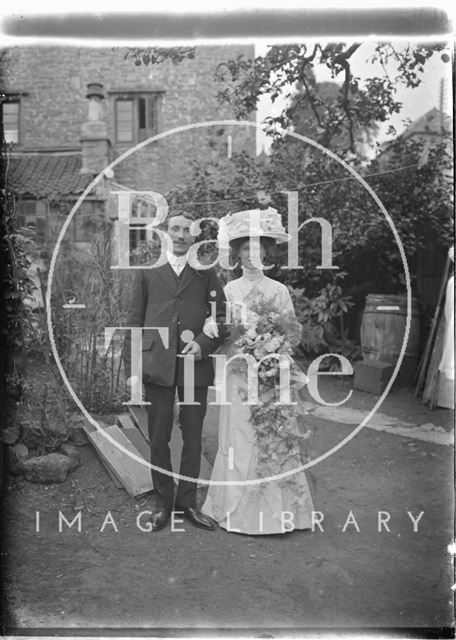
<point>269,339</point>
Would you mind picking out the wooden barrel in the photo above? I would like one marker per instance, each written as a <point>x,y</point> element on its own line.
<point>383,329</point>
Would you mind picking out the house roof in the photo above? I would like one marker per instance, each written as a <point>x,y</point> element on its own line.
<point>430,122</point>
<point>47,175</point>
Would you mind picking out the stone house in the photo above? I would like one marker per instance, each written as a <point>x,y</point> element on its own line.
<point>68,112</point>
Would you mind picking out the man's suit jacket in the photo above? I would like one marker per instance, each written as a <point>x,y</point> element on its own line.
<point>161,299</point>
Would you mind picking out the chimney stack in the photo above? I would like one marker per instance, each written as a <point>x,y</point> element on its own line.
<point>94,133</point>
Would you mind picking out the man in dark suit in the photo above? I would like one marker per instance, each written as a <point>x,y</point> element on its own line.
<point>178,297</point>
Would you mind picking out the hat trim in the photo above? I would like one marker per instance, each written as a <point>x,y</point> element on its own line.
<point>279,237</point>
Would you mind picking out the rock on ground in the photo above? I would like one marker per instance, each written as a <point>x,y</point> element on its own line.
<point>51,468</point>
<point>76,432</point>
<point>71,451</point>
<point>10,435</point>
<point>16,456</point>
<point>32,437</point>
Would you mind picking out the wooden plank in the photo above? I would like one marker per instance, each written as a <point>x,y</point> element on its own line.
<point>136,438</point>
<point>125,422</point>
<point>112,474</point>
<point>89,429</point>
<point>139,415</point>
<point>429,348</point>
<point>135,477</point>
<point>433,374</point>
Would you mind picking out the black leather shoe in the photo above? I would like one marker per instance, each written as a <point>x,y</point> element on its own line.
<point>196,518</point>
<point>160,519</point>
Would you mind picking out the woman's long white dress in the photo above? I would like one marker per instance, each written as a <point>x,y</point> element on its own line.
<point>274,506</point>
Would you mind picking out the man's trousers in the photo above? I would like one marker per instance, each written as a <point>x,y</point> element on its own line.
<point>160,419</point>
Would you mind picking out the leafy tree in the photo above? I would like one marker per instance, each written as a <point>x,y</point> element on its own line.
<point>415,190</point>
<point>284,68</point>
<point>156,55</point>
<point>16,286</point>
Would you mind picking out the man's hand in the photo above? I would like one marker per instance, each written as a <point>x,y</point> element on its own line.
<point>192,349</point>
<point>210,328</point>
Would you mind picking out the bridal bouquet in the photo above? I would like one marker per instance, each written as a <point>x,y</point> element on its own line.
<point>279,435</point>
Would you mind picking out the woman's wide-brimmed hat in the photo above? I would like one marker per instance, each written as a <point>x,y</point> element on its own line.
<point>252,223</point>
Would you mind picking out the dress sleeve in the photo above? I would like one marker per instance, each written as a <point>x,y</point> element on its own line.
<point>287,307</point>
<point>230,298</point>
<point>286,303</point>
<point>228,290</point>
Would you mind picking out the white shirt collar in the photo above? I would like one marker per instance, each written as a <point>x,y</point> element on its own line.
<point>177,261</point>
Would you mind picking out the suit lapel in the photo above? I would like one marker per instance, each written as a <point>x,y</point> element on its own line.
<point>166,272</point>
<point>188,274</point>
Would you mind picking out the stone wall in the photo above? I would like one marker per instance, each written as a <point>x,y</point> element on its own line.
<point>53,80</point>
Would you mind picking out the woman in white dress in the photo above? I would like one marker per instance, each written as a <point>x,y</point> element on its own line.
<point>274,506</point>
